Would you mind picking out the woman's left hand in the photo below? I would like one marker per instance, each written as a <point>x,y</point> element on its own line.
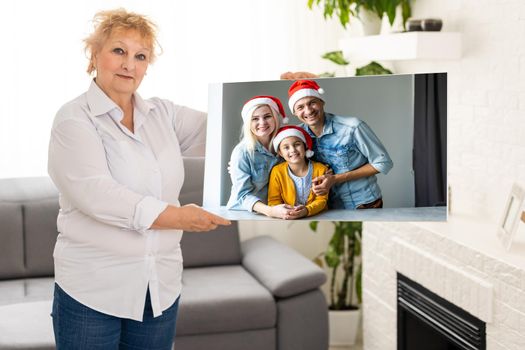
<point>190,218</point>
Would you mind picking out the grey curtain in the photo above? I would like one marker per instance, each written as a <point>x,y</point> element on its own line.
<point>430,139</point>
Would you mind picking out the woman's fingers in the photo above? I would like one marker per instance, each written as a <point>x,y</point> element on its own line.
<point>197,219</point>
<point>219,220</point>
<point>298,75</point>
<point>281,211</point>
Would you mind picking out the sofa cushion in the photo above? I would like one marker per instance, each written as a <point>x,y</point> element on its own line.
<point>192,188</point>
<point>223,299</point>
<point>11,241</point>
<point>27,326</point>
<point>218,247</point>
<point>40,223</point>
<point>299,276</point>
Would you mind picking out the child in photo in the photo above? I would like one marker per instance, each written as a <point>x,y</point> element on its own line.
<point>291,181</point>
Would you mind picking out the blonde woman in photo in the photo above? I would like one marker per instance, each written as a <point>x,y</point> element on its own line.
<point>253,158</point>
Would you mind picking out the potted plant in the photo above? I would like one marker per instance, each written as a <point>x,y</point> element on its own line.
<point>342,257</point>
<point>366,10</point>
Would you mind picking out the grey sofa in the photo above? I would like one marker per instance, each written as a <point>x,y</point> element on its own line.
<point>254,294</point>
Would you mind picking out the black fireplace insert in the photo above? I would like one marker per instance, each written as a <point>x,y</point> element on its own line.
<point>425,321</point>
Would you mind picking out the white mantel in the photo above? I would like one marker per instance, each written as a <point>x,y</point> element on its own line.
<point>460,260</point>
<point>403,46</point>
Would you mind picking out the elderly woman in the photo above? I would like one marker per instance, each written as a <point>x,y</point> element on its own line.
<point>116,159</point>
<point>253,158</point>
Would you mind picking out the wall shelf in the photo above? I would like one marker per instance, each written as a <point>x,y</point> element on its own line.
<point>403,46</point>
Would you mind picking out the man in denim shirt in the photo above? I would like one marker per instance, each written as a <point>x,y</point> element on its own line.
<point>347,145</point>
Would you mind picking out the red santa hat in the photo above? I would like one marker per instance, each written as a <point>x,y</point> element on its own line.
<point>251,105</point>
<point>293,130</point>
<point>303,88</point>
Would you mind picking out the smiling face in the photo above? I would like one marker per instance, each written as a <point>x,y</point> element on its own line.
<point>310,110</point>
<point>263,123</point>
<point>121,63</point>
<point>293,150</point>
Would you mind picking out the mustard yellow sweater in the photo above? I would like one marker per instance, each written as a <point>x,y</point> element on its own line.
<point>281,189</point>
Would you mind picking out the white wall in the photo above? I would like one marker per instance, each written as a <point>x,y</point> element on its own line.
<point>43,64</point>
<point>486,107</point>
<point>486,112</point>
<point>486,154</point>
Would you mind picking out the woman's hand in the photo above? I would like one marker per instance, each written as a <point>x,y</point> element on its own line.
<point>288,212</point>
<point>321,185</point>
<point>190,218</point>
<point>298,212</point>
<point>280,211</point>
<point>298,75</point>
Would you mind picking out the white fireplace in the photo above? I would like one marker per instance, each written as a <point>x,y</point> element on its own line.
<point>461,261</point>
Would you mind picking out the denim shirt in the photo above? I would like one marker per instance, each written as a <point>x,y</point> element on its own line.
<point>348,143</point>
<point>249,174</point>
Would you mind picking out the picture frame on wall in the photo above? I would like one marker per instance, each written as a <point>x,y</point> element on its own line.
<point>512,214</point>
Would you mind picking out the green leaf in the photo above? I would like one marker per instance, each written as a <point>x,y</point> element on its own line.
<point>327,75</point>
<point>406,11</point>
<point>359,284</point>
<point>373,68</point>
<point>346,9</point>
<point>391,11</point>
<point>313,225</point>
<point>336,57</point>
<point>331,257</point>
<point>310,4</point>
<point>338,240</point>
<point>344,12</point>
<point>329,8</point>
<point>318,261</point>
<point>357,246</point>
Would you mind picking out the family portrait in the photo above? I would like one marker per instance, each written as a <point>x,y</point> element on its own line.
<point>315,148</point>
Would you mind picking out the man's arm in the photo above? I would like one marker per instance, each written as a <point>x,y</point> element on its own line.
<point>322,184</point>
<point>370,146</point>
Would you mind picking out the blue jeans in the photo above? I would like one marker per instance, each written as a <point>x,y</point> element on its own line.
<point>77,326</point>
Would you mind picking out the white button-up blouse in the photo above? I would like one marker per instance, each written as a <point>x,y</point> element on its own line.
<point>113,184</point>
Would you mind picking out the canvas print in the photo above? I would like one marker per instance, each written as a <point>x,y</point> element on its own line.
<point>358,148</point>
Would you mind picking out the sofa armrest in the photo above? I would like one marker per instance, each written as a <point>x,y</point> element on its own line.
<point>279,268</point>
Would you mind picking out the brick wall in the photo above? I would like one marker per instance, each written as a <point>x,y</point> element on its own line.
<point>482,284</point>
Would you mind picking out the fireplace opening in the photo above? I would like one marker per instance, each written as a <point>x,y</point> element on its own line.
<point>427,321</point>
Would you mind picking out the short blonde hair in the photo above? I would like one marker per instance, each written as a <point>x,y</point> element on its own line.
<point>107,22</point>
<point>249,138</point>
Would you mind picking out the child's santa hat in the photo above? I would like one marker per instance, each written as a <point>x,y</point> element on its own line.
<point>251,105</point>
<point>292,130</point>
<point>303,88</point>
